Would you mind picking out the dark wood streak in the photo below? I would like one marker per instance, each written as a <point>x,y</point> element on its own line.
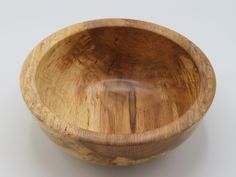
<point>88,121</point>
<point>132,108</point>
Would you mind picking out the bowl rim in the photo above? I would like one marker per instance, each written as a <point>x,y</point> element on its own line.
<point>190,118</point>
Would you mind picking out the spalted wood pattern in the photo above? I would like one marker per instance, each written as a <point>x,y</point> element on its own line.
<point>107,90</point>
<point>118,80</point>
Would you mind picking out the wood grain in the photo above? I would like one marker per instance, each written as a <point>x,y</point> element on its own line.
<point>117,91</point>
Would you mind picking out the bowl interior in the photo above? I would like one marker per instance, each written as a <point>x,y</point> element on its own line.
<point>117,80</point>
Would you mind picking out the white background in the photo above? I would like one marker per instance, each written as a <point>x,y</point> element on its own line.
<point>25,151</point>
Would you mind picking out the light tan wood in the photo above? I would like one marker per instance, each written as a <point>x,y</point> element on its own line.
<point>117,91</point>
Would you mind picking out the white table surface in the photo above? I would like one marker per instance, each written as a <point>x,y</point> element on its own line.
<point>210,152</point>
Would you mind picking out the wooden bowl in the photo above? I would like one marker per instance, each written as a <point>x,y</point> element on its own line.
<point>117,91</point>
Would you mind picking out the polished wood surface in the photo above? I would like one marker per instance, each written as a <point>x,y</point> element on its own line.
<point>117,91</point>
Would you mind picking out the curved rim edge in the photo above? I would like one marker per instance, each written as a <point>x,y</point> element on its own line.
<point>185,122</point>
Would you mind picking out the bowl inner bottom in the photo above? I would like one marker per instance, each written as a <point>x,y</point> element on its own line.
<point>117,80</point>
